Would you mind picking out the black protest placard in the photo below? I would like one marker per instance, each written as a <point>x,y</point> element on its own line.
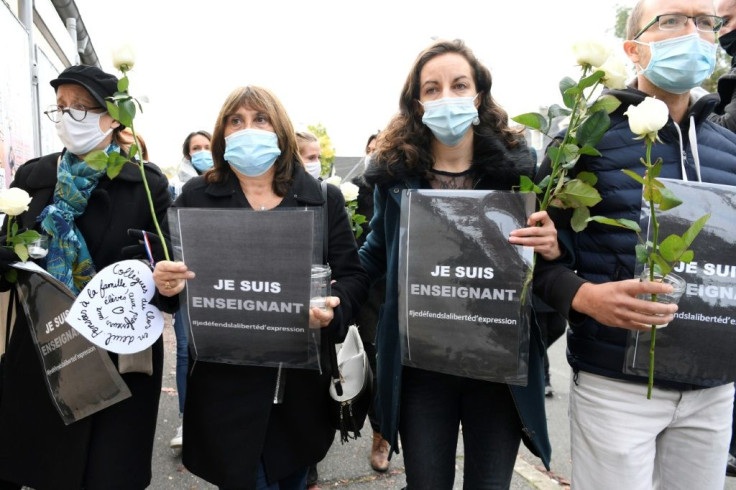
<point>249,303</point>
<point>697,346</point>
<point>80,377</point>
<point>460,284</point>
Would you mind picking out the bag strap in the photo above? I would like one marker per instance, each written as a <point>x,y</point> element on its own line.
<point>331,346</point>
<point>325,234</point>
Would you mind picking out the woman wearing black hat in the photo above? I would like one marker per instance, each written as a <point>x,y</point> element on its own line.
<point>86,217</point>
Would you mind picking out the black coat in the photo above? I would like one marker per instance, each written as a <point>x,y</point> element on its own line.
<point>110,449</point>
<point>230,420</point>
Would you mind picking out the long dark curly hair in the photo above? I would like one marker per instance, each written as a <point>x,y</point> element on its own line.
<point>404,147</point>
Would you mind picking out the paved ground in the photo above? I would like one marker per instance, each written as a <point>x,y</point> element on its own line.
<point>347,466</point>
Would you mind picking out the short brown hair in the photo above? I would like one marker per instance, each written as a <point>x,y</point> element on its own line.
<point>260,99</point>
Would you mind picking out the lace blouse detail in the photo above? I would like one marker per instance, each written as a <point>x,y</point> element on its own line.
<point>451,180</point>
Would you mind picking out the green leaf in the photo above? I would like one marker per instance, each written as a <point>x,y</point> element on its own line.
<point>620,223</point>
<point>669,199</point>
<point>118,96</point>
<point>656,169</point>
<point>113,110</point>
<point>661,265</point>
<point>526,184</point>
<point>116,164</point>
<point>127,112</point>
<point>11,275</point>
<point>581,192</point>
<point>28,236</point>
<point>607,103</point>
<point>588,177</point>
<point>589,150</point>
<point>694,229</point>
<point>566,84</point>
<point>533,120</point>
<point>563,154</point>
<point>641,253</point>
<point>579,220</point>
<point>672,247</point>
<point>21,251</point>
<point>634,176</point>
<point>97,160</point>
<point>556,111</point>
<point>123,84</point>
<point>590,80</point>
<point>133,151</point>
<point>687,256</point>
<point>592,129</point>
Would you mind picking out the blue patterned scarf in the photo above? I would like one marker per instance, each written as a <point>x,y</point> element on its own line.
<point>68,259</point>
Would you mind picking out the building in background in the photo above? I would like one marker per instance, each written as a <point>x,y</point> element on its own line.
<point>38,39</point>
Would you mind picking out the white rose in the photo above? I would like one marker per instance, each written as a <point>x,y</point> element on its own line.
<point>334,180</point>
<point>123,56</point>
<point>615,72</point>
<point>349,191</point>
<point>14,201</point>
<point>648,117</point>
<point>590,53</point>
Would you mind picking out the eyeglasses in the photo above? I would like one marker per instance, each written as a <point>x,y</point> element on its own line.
<point>77,112</point>
<point>676,22</point>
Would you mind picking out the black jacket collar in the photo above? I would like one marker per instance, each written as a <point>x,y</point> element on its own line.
<point>305,190</point>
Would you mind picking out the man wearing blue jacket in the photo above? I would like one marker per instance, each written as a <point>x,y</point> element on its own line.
<point>679,438</point>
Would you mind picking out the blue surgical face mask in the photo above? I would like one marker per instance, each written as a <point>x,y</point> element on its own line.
<point>450,118</point>
<point>252,151</point>
<point>680,64</point>
<point>202,160</point>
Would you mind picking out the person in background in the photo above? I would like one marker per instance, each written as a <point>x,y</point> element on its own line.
<point>86,217</point>
<point>433,143</point>
<point>310,152</point>
<point>263,444</point>
<point>127,140</point>
<point>367,318</point>
<point>725,115</point>
<point>725,112</point>
<point>197,160</point>
<point>620,439</point>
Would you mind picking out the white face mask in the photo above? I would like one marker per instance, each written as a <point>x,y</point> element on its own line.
<point>313,168</point>
<point>81,137</point>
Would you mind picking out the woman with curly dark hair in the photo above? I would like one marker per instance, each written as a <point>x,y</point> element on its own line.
<point>449,133</point>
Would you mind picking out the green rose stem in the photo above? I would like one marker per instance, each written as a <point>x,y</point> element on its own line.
<point>650,261</point>
<point>100,160</point>
<point>554,182</point>
<point>557,174</point>
<point>148,194</point>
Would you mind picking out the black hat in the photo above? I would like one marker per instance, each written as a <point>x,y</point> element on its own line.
<point>98,83</point>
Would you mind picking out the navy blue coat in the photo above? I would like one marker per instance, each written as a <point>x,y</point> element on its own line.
<point>604,253</point>
<point>380,255</point>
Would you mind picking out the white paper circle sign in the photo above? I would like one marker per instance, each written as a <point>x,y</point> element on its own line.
<point>114,311</point>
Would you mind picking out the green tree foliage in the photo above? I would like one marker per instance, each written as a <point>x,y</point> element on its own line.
<point>327,151</point>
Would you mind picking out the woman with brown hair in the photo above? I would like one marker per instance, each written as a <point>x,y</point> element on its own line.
<point>238,435</point>
<point>449,133</point>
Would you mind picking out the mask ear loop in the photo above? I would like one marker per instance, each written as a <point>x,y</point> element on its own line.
<point>476,119</point>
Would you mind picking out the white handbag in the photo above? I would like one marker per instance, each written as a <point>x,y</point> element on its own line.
<point>351,389</point>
